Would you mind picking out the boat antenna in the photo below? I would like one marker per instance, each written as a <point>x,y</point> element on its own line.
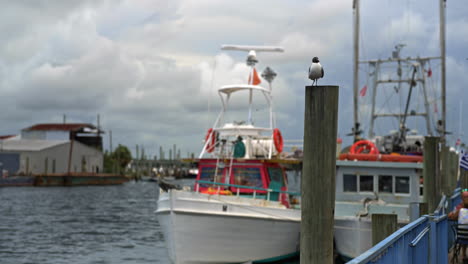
<point>269,75</point>
<point>251,61</point>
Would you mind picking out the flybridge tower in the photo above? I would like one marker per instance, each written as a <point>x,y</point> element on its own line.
<point>239,139</point>
<point>251,61</point>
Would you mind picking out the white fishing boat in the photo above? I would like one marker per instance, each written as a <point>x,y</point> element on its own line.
<point>383,175</point>
<point>239,209</point>
<point>366,187</point>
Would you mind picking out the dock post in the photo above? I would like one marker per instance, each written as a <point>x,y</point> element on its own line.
<point>445,164</point>
<point>453,171</point>
<point>318,174</point>
<point>422,209</point>
<point>383,225</point>
<point>431,192</point>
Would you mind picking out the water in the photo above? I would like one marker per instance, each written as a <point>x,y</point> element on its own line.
<point>91,224</point>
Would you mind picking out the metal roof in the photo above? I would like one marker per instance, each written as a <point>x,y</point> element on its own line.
<point>379,164</point>
<point>29,144</point>
<point>7,136</point>
<point>60,126</point>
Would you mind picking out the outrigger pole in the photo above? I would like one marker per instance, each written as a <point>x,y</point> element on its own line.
<point>442,10</point>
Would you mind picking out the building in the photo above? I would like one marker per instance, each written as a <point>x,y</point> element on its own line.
<point>52,148</point>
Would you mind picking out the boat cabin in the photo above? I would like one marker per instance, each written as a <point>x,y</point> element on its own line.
<point>392,182</point>
<point>246,177</point>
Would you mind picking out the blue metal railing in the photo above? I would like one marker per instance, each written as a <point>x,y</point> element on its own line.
<point>425,240</point>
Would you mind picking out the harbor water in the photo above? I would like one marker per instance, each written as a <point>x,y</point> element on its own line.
<point>82,225</point>
<point>89,224</point>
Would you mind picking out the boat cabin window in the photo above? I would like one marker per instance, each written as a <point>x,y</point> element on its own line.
<point>276,176</point>
<point>402,184</point>
<point>385,184</point>
<point>349,183</point>
<point>208,174</point>
<point>366,183</point>
<point>248,177</point>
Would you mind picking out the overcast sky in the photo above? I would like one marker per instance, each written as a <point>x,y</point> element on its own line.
<point>151,68</point>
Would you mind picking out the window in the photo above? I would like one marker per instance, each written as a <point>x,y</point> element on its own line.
<point>208,174</point>
<point>248,177</point>
<point>385,184</point>
<point>366,183</point>
<point>349,183</point>
<point>276,175</point>
<point>402,184</point>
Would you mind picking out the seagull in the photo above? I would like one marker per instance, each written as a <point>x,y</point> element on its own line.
<point>315,71</point>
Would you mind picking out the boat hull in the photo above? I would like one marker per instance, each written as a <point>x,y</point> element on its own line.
<point>352,236</point>
<point>17,181</point>
<point>199,228</point>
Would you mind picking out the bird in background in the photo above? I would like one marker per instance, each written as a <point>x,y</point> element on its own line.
<point>315,71</point>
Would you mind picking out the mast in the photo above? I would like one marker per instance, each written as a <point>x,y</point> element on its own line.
<point>355,67</point>
<point>442,6</point>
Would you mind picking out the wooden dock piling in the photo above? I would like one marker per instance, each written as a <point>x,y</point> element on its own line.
<point>431,172</point>
<point>383,225</point>
<point>318,174</point>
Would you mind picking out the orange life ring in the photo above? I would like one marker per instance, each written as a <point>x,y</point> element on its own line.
<point>211,138</point>
<point>278,140</point>
<point>363,145</point>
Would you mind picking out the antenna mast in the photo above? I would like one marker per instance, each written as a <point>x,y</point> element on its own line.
<point>356,69</point>
<point>251,61</point>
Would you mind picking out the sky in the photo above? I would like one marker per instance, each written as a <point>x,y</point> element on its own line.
<point>151,68</point>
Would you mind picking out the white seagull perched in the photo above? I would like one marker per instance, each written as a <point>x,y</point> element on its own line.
<point>315,71</point>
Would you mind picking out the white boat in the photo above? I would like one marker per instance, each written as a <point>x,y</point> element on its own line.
<point>383,175</point>
<point>368,187</point>
<point>239,209</point>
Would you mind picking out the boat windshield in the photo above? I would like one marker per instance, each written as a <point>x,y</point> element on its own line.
<point>248,177</point>
<point>208,174</point>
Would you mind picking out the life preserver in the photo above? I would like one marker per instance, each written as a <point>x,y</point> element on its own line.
<point>278,140</point>
<point>211,138</point>
<point>363,145</point>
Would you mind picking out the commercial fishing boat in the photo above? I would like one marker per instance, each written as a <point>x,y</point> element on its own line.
<point>239,209</point>
<point>383,174</point>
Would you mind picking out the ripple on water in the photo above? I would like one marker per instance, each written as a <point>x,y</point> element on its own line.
<point>81,225</point>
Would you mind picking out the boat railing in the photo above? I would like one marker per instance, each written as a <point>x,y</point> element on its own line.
<point>255,189</point>
<point>441,208</point>
<point>425,240</point>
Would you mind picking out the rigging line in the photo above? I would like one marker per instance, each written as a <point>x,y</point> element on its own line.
<point>365,100</point>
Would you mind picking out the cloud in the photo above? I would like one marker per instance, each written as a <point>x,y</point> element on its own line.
<point>151,69</point>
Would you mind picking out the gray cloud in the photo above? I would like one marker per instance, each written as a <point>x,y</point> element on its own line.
<point>147,66</point>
